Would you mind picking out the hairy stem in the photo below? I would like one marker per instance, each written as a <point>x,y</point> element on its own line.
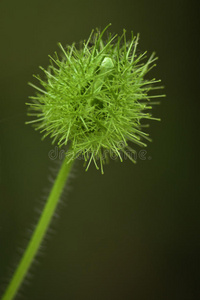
<point>39,232</point>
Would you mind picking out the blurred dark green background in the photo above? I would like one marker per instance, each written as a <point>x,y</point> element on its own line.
<point>131,233</point>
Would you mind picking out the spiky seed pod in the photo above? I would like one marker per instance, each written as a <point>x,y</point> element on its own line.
<point>95,97</point>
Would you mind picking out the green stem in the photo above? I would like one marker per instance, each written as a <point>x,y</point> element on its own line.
<point>39,232</point>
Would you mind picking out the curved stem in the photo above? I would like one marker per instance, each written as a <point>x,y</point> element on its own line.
<point>39,232</point>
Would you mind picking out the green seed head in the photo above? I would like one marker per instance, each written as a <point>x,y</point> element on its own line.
<point>95,97</point>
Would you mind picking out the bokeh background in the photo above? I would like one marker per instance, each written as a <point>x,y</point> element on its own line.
<point>133,232</point>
